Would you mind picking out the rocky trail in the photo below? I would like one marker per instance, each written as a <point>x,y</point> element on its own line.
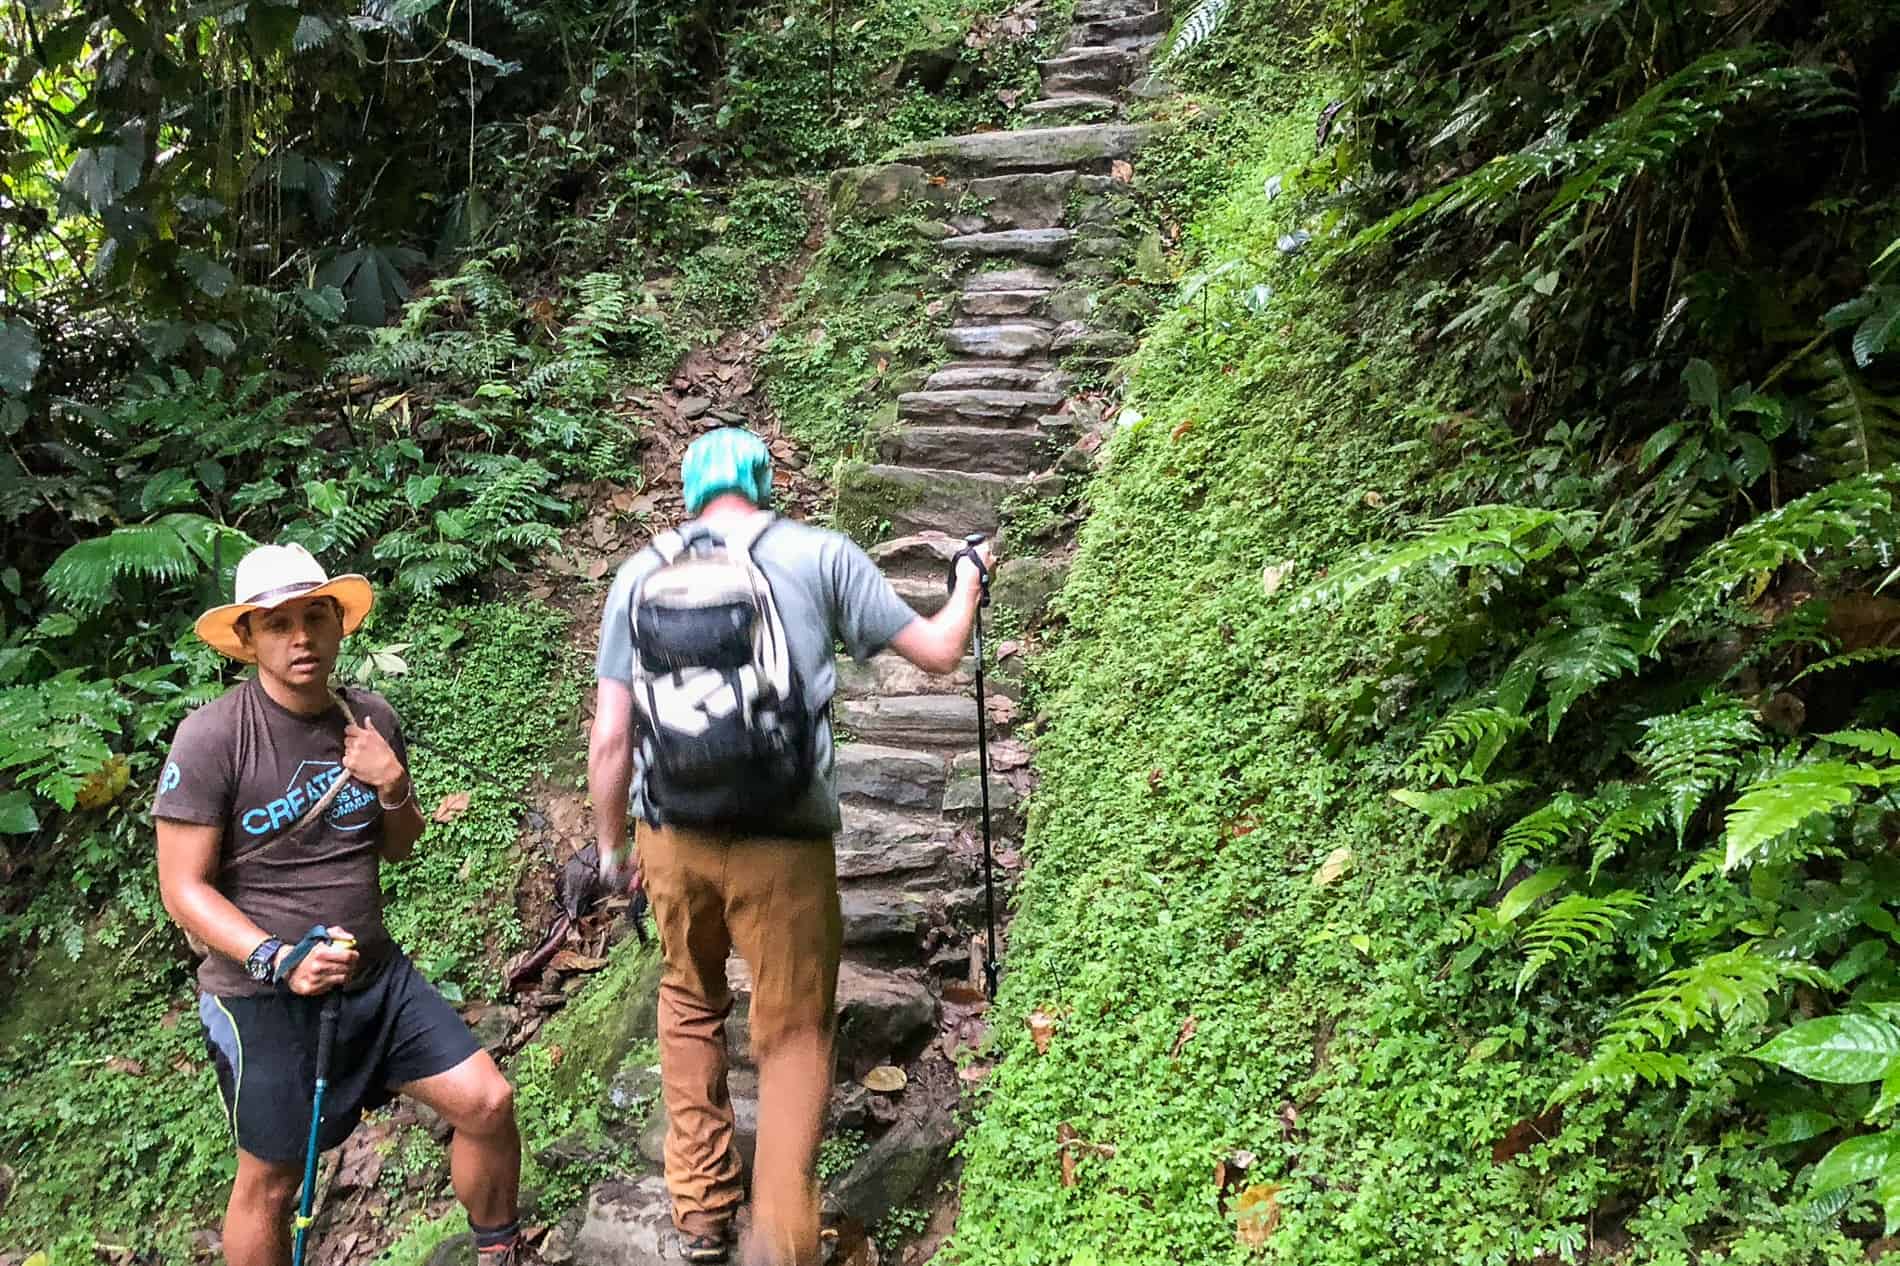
<point>1033,225</point>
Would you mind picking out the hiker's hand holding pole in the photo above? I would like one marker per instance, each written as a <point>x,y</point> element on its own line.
<point>325,967</point>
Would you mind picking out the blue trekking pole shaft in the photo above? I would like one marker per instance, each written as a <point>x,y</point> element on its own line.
<point>326,1036</point>
<point>983,768</point>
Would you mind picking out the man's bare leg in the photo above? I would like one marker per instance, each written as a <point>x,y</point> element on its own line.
<point>257,1221</point>
<point>485,1154</point>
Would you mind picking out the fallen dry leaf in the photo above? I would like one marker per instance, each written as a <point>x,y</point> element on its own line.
<point>962,995</point>
<point>1005,649</point>
<point>1067,1138</point>
<point>1525,1134</point>
<point>450,807</point>
<point>1257,1211</point>
<point>886,1079</point>
<point>597,568</point>
<point>1001,708</point>
<point>1042,1027</point>
<point>130,1067</point>
<point>555,1052</point>
<point>1273,575</point>
<point>569,960</point>
<point>970,1074</point>
<point>1181,428</point>
<point>1375,500</point>
<point>1154,779</point>
<point>1122,170</point>
<point>1337,863</point>
<point>1182,1038</point>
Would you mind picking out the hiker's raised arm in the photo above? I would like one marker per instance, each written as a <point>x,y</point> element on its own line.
<point>937,643</point>
<point>610,768</point>
<point>187,883</point>
<point>377,761</point>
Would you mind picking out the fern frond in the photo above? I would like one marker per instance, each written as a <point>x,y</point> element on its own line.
<point>1571,926</point>
<point>1859,428</point>
<point>1692,752</point>
<point>1482,730</point>
<point>1202,23</point>
<point>169,549</point>
<point>1850,659</point>
<point>1787,799</point>
<point>1579,660</point>
<point>1628,814</point>
<point>1504,537</point>
<point>1882,743</point>
<point>1827,518</point>
<point>1544,828</point>
<point>1454,805</point>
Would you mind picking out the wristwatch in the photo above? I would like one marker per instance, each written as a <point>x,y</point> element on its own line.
<point>261,966</point>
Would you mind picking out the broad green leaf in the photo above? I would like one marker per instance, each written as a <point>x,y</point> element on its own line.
<point>1840,1049</point>
<point>19,356</point>
<point>1797,1127</point>
<point>1887,1190</point>
<point>1699,377</point>
<point>1857,1160</point>
<point>16,814</point>
<point>1659,443</point>
<point>1526,892</point>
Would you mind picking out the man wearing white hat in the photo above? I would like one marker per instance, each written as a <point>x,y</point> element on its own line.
<point>277,806</point>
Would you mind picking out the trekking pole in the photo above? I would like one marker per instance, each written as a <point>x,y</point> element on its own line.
<point>970,543</point>
<point>326,1036</point>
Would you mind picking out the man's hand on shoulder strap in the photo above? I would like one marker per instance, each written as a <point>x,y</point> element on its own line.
<point>368,758</point>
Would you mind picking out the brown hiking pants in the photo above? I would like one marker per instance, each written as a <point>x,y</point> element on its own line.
<point>776,902</point>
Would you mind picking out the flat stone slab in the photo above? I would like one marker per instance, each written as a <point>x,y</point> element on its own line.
<point>986,449</point>
<point>1034,149</point>
<point>892,674</point>
<point>1006,340</point>
<point>1013,279</point>
<point>1044,378</point>
<point>627,1224</point>
<point>925,597</point>
<point>1038,246</point>
<point>883,1017</point>
<point>975,407</point>
<point>911,720</point>
<point>893,775</point>
<point>901,1164</point>
<point>922,551</point>
<point>948,501</point>
<point>874,843</point>
<point>1003,303</point>
<point>1073,106</point>
<point>876,915</point>
<point>1029,200</point>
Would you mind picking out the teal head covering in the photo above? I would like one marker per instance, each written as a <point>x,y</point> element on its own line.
<point>727,460</point>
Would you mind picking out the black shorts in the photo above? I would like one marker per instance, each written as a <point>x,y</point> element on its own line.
<point>394,1030</point>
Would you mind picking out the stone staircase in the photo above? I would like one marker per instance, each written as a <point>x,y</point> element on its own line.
<point>1032,227</point>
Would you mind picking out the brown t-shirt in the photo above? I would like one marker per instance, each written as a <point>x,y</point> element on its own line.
<point>246,763</point>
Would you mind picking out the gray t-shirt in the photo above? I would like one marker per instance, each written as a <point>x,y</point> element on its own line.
<point>828,591</point>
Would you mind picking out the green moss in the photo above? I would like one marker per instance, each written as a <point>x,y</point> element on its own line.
<point>867,500</point>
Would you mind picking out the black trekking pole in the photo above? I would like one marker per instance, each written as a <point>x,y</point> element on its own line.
<point>326,1036</point>
<point>970,543</point>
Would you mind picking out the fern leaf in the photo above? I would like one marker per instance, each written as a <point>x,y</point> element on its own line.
<point>1504,537</point>
<point>1692,752</point>
<point>1882,743</point>
<point>1785,800</point>
<point>1581,659</point>
<point>1484,730</point>
<point>166,550</point>
<point>1202,23</point>
<point>1454,805</point>
<point>1628,814</point>
<point>1858,428</point>
<point>1571,926</point>
<point>1544,828</point>
<point>1827,518</point>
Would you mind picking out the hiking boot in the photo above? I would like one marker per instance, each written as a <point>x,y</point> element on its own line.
<point>703,1248</point>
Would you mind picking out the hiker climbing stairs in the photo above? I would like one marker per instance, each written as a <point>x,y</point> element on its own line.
<point>1032,231</point>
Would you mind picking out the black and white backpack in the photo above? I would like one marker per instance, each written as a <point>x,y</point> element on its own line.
<point>726,737</point>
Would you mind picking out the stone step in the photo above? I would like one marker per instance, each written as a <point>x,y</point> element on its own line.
<point>913,721</point>
<point>1038,246</point>
<point>1104,10</point>
<point>989,450</point>
<point>977,407</point>
<point>892,674</point>
<point>1012,279</point>
<point>898,1170</point>
<point>742,1085</point>
<point>883,916</point>
<point>1030,377</point>
<point>1136,31</point>
<point>1028,200</point>
<point>1005,340</point>
<point>1073,107</point>
<point>1003,303</point>
<point>921,554</point>
<point>1090,146</point>
<point>890,775</point>
<point>912,500</point>
<point>924,596</point>
<point>1102,70</point>
<point>875,843</point>
<point>883,1017</point>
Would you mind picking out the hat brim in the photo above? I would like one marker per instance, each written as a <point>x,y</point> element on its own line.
<point>218,626</point>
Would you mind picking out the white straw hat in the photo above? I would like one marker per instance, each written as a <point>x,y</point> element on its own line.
<point>272,575</point>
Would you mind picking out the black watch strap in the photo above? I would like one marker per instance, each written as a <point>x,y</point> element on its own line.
<point>260,965</point>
